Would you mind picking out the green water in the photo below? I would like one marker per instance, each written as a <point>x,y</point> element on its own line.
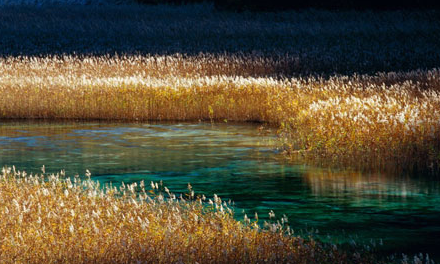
<point>238,162</point>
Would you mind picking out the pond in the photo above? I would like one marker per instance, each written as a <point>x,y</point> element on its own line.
<point>238,162</point>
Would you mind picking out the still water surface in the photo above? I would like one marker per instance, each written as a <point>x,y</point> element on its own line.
<point>241,163</point>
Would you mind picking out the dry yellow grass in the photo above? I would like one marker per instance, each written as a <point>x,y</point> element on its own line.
<point>389,121</point>
<point>365,121</point>
<point>52,219</point>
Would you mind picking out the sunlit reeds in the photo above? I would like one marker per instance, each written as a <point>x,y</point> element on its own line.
<point>388,121</point>
<point>365,121</point>
<point>225,67</point>
<point>191,62</point>
<point>53,219</point>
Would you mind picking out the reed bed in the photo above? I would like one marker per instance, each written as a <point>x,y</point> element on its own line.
<point>315,74</point>
<point>54,219</point>
<point>390,121</point>
<point>381,121</point>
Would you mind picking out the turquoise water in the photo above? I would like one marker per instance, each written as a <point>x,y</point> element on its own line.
<point>241,163</point>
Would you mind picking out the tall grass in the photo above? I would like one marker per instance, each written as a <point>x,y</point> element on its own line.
<point>390,121</point>
<point>53,219</point>
<point>381,121</point>
<point>218,67</point>
<point>314,74</point>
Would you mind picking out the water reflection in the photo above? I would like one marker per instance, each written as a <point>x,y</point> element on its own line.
<point>378,186</point>
<point>239,163</point>
<point>403,211</point>
<point>120,148</point>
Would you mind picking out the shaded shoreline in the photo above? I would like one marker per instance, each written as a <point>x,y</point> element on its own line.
<point>307,42</point>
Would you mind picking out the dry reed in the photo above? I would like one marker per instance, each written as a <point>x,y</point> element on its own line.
<point>382,121</point>
<point>53,219</point>
<point>371,121</point>
<point>219,66</point>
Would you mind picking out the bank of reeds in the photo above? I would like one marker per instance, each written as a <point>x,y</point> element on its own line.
<point>377,121</point>
<point>389,121</point>
<point>53,219</point>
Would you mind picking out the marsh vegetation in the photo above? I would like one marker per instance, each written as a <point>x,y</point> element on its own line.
<point>347,89</point>
<point>52,218</point>
<point>381,121</point>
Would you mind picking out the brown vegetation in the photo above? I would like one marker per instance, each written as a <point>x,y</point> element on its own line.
<point>366,121</point>
<point>52,219</point>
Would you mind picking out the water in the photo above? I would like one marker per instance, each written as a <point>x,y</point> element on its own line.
<point>241,163</point>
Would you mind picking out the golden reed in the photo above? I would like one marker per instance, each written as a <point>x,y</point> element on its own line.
<point>364,121</point>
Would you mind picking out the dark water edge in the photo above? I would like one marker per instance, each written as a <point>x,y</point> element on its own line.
<point>238,162</point>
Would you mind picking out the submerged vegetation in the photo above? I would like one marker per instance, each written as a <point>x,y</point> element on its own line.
<point>54,219</point>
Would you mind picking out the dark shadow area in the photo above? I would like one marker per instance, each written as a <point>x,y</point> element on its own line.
<point>282,5</point>
<point>307,41</point>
